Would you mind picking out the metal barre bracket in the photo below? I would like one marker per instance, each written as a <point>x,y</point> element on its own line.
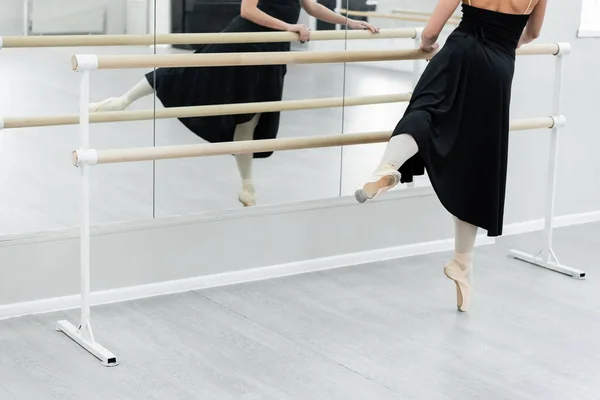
<point>84,157</point>
<point>84,62</point>
<point>558,120</point>
<point>563,49</point>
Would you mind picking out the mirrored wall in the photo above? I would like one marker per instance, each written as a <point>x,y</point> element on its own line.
<point>39,186</point>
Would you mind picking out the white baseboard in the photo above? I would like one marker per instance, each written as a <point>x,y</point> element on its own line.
<point>230,278</point>
<point>562,221</point>
<point>275,271</point>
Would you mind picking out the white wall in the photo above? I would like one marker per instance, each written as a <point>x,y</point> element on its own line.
<point>11,17</point>
<point>160,14</point>
<point>176,248</point>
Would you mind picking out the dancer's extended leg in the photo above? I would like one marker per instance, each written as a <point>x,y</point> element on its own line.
<point>142,89</point>
<point>245,131</point>
<point>399,149</point>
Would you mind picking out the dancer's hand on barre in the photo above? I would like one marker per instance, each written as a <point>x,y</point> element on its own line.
<point>354,24</point>
<point>302,31</point>
<point>429,48</point>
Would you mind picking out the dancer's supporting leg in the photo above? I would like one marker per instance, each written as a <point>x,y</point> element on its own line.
<point>459,268</point>
<point>142,89</point>
<point>399,149</point>
<point>242,132</point>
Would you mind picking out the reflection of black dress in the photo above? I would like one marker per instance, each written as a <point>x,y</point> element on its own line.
<point>459,117</point>
<point>195,86</point>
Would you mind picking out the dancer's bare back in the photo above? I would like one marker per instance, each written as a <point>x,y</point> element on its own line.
<point>505,6</point>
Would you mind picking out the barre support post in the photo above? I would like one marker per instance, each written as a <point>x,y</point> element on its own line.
<point>83,334</point>
<point>546,257</point>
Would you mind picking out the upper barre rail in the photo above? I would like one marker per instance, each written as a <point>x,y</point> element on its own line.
<point>256,146</point>
<point>394,16</point>
<point>205,111</point>
<point>196,38</point>
<point>92,61</point>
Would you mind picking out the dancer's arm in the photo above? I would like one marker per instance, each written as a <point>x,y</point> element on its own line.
<point>249,10</point>
<point>443,11</point>
<point>534,25</point>
<point>323,13</point>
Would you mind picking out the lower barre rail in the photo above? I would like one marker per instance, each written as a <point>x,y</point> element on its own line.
<point>256,146</point>
<point>206,111</point>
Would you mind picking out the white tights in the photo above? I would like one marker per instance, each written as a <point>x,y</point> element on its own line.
<point>399,149</point>
<point>242,132</point>
<point>142,89</point>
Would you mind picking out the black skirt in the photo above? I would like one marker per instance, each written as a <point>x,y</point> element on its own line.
<point>459,117</point>
<point>196,86</point>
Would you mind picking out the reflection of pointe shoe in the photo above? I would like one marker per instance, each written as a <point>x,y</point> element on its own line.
<point>247,196</point>
<point>110,104</point>
<point>384,178</point>
<point>458,270</point>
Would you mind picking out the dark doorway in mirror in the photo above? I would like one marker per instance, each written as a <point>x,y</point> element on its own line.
<point>202,16</point>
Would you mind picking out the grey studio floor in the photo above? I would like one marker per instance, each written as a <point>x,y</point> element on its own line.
<point>388,330</point>
<point>39,188</point>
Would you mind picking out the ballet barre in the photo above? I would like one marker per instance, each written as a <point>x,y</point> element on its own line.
<point>89,62</point>
<point>93,157</point>
<point>204,111</point>
<point>85,158</point>
<point>196,38</point>
<point>395,16</point>
<point>92,61</point>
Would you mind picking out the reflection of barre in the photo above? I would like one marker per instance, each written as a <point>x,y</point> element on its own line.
<point>399,17</point>
<point>195,38</point>
<point>256,146</point>
<point>92,61</point>
<point>425,13</point>
<point>205,111</point>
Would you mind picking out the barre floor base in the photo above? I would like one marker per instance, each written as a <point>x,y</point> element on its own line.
<point>548,264</point>
<point>107,358</point>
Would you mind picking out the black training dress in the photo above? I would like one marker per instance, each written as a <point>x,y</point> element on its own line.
<point>459,117</point>
<point>195,86</point>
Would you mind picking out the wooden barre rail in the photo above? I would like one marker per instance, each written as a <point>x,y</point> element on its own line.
<point>424,13</point>
<point>398,17</point>
<point>195,38</point>
<point>90,62</point>
<point>256,146</point>
<point>205,111</point>
<point>242,59</point>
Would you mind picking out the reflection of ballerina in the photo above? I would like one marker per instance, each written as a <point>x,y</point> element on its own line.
<point>194,86</point>
<point>456,124</point>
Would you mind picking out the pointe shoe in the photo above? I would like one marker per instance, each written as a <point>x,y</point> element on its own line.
<point>247,196</point>
<point>458,271</point>
<point>384,178</point>
<point>110,104</point>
